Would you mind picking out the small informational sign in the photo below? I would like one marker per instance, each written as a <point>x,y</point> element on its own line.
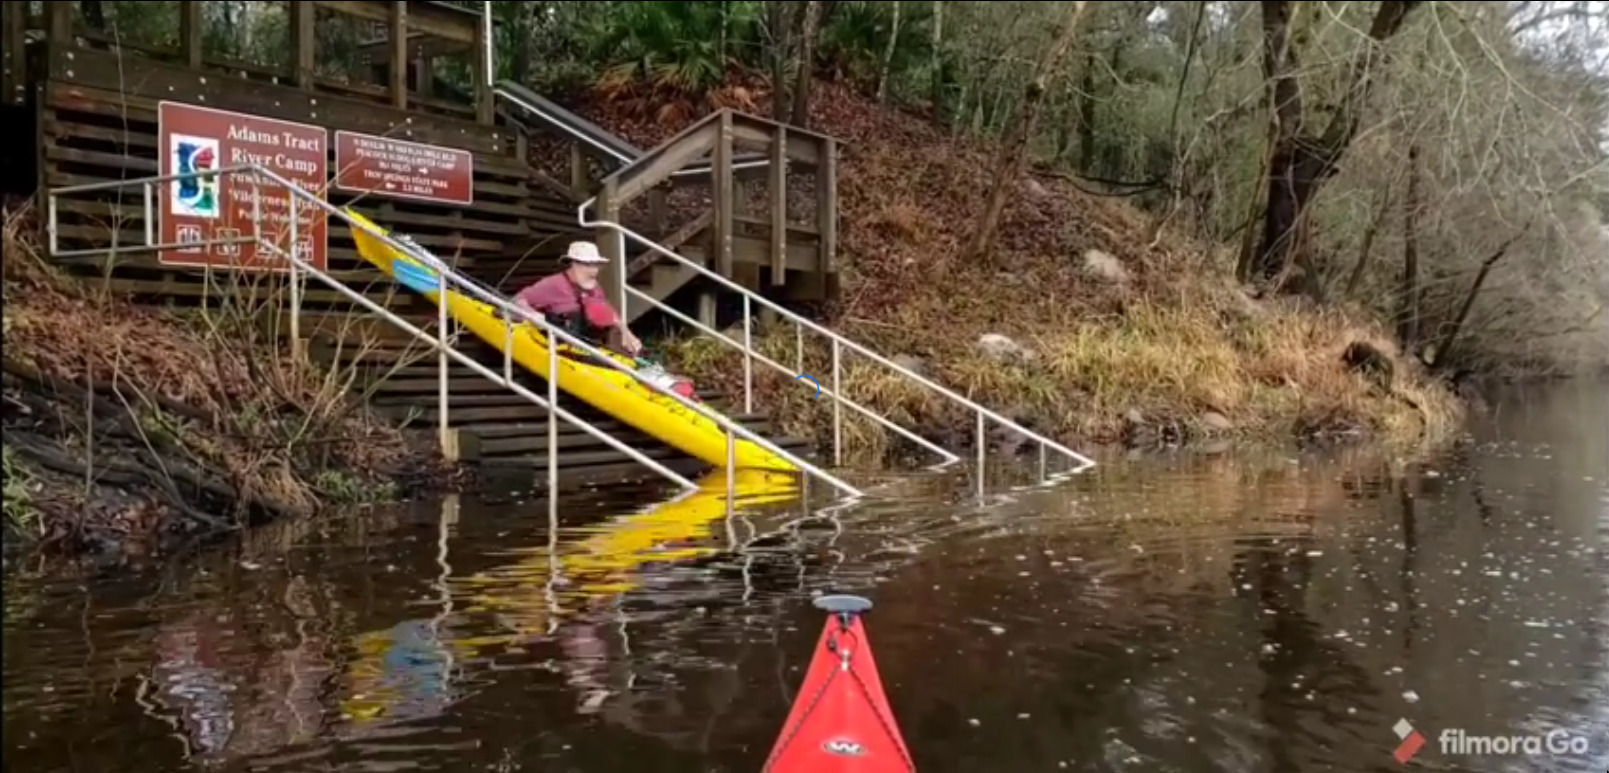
<point>219,215</point>
<point>365,163</point>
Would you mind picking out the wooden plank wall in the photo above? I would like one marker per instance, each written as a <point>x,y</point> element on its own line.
<point>97,122</point>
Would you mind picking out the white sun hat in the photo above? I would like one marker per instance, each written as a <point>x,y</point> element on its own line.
<point>584,252</point>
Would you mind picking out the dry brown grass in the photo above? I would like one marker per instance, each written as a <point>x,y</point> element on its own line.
<point>1175,342</point>
<point>1277,377</point>
<point>209,392</point>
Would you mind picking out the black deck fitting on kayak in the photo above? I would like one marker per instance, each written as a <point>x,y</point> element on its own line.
<point>842,604</point>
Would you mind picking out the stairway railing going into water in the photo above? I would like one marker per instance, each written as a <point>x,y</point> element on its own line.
<point>447,280</point>
<point>838,344</point>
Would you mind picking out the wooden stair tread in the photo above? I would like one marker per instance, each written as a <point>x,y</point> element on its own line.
<point>507,397</point>
<point>608,455</point>
<point>535,428</point>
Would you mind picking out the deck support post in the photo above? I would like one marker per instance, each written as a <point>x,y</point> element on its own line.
<point>397,32</point>
<point>191,40</point>
<point>612,244</point>
<point>304,37</point>
<point>485,100</point>
<point>777,179</point>
<point>59,23</point>
<point>827,204</point>
<point>722,186</point>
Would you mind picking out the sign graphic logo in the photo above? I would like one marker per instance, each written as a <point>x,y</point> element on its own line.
<point>194,196</point>
<point>1412,741</point>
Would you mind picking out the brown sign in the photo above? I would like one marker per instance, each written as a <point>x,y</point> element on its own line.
<point>410,170</point>
<point>213,214</point>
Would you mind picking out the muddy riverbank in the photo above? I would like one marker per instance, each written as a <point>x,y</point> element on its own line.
<point>129,429</point>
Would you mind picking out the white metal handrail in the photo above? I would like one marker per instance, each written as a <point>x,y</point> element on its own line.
<point>444,348</point>
<point>838,341</point>
<point>614,153</point>
<point>511,311</point>
<point>483,291</point>
<point>440,343</point>
<point>832,392</point>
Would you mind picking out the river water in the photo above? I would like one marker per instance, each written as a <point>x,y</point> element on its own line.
<point>1230,612</point>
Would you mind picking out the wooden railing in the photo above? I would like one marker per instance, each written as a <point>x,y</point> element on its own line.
<point>401,54</point>
<point>786,150</point>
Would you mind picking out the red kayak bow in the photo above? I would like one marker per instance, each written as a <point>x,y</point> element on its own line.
<point>840,721</point>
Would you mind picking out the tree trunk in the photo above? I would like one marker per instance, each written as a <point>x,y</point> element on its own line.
<point>1013,155</point>
<point>1366,251</point>
<point>938,58</point>
<point>808,32</point>
<point>888,57</point>
<point>726,28</point>
<point>1408,292</point>
<point>1302,162</point>
<point>781,24</point>
<point>1444,348</point>
<point>1086,116</point>
<point>524,29</point>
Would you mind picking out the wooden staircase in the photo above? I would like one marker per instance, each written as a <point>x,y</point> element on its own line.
<point>797,257</point>
<point>498,429</point>
<point>717,193</point>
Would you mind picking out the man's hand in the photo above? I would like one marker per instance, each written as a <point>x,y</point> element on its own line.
<point>630,343</point>
<point>519,303</point>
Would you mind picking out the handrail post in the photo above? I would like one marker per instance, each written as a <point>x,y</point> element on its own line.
<point>294,276</point>
<point>508,347</point>
<point>53,228</point>
<point>731,468</point>
<point>748,356</point>
<point>837,406</point>
<point>150,213</point>
<point>553,404</point>
<point>983,447</point>
<point>256,209</point>
<point>449,449</point>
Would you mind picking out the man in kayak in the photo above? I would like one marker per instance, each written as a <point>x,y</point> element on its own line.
<point>573,300</point>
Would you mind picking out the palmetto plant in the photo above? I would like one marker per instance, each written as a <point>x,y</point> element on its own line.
<point>855,38</point>
<point>687,46</point>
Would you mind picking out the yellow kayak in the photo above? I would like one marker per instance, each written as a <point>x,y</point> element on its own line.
<point>611,391</point>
